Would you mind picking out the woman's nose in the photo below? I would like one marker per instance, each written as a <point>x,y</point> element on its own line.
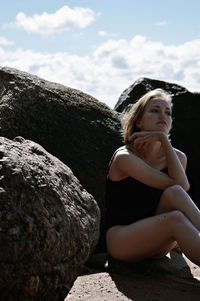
<point>162,115</point>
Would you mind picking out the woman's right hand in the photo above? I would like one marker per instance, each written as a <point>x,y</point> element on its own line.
<point>141,139</point>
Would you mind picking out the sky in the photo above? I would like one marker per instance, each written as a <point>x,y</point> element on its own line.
<point>101,47</point>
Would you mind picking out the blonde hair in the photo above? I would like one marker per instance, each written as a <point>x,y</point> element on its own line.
<point>131,118</point>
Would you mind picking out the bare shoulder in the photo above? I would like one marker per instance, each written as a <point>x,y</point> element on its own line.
<point>121,151</point>
<point>123,159</point>
<point>127,163</point>
<point>121,154</point>
<point>182,157</point>
<point>124,154</point>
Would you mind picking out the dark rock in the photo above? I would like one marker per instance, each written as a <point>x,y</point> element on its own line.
<point>49,224</point>
<point>142,86</point>
<point>186,127</point>
<point>173,265</point>
<point>71,125</point>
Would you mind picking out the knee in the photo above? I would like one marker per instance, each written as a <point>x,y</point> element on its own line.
<point>173,191</point>
<point>176,218</point>
<point>175,221</point>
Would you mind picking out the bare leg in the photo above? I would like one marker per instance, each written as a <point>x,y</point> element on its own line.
<point>151,236</point>
<point>175,198</point>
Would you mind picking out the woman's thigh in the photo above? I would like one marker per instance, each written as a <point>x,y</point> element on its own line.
<point>150,237</point>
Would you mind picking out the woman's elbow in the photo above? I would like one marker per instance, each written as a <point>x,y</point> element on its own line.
<point>186,186</point>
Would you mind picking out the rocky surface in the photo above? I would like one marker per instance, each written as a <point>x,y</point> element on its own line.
<point>186,127</point>
<point>49,224</point>
<point>72,125</point>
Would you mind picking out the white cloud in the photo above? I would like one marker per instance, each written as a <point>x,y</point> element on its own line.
<point>5,42</point>
<point>105,34</point>
<point>114,66</point>
<point>161,23</point>
<point>63,19</point>
<point>102,33</point>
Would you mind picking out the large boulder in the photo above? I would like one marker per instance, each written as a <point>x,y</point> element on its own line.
<point>186,127</point>
<point>73,126</point>
<point>49,224</point>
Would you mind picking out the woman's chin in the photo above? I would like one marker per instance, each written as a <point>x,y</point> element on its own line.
<point>162,128</point>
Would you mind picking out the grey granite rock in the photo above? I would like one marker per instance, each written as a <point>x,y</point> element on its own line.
<point>49,224</point>
<point>72,125</point>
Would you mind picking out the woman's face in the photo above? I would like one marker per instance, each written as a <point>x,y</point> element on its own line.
<point>156,117</point>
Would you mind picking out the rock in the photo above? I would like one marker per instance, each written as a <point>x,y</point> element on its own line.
<point>49,224</point>
<point>73,126</point>
<point>186,127</point>
<point>142,86</point>
<point>174,263</point>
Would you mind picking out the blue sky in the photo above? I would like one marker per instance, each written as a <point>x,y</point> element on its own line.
<point>102,47</point>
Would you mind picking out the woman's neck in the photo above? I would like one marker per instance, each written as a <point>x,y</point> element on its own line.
<point>150,152</point>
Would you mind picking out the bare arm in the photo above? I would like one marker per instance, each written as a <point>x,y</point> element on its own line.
<point>131,165</point>
<point>176,170</point>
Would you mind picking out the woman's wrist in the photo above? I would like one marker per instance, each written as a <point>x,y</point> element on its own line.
<point>164,139</point>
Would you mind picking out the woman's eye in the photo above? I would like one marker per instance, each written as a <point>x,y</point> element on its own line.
<point>154,111</point>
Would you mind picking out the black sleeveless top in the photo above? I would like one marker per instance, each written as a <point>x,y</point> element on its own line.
<point>129,200</point>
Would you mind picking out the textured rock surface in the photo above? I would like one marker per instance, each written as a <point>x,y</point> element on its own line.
<point>72,125</point>
<point>48,223</point>
<point>186,127</point>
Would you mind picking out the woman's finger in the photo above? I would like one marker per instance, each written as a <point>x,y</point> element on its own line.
<point>136,135</point>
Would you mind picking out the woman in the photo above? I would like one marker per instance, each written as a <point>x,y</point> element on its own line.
<point>149,211</point>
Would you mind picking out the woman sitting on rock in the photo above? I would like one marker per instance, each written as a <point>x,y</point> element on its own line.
<point>149,211</point>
